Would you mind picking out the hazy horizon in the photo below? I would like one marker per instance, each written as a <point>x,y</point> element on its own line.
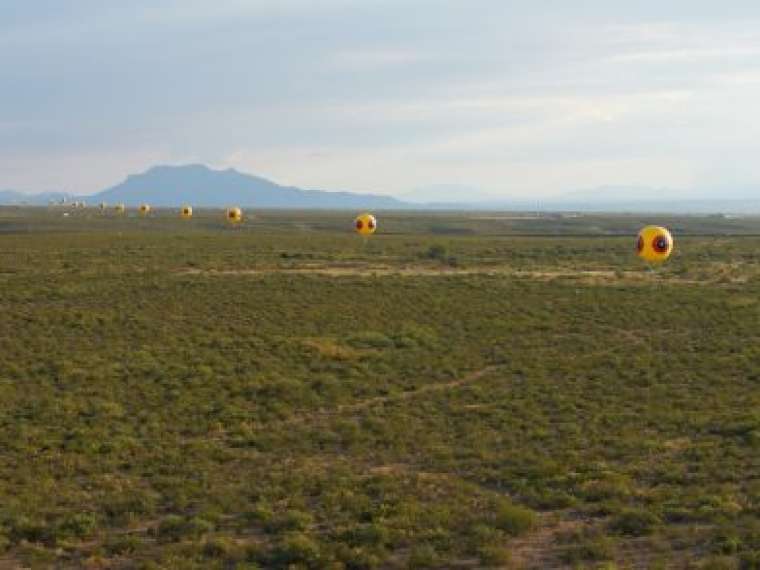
<point>497,99</point>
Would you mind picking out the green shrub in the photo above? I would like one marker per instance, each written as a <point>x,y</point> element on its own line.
<point>123,544</point>
<point>437,252</point>
<point>171,528</point>
<point>174,528</point>
<point>261,514</point>
<point>634,522</point>
<point>726,543</point>
<point>221,548</point>
<point>358,557</point>
<point>36,556</point>
<point>494,555</point>
<point>750,560</point>
<point>598,549</point>
<point>513,519</point>
<point>367,535</point>
<point>290,520</point>
<point>77,525</point>
<point>5,541</point>
<point>197,527</point>
<point>720,563</point>
<point>369,339</point>
<point>297,548</point>
<point>423,556</point>
<point>31,530</point>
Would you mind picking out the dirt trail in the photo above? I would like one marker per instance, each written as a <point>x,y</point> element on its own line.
<point>579,276</point>
<point>350,271</point>
<point>339,410</point>
<point>592,275</point>
<point>472,377</point>
<point>427,389</point>
<point>538,550</point>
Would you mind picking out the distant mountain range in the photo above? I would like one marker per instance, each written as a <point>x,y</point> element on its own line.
<point>633,199</point>
<point>203,187</point>
<point>200,186</point>
<point>735,200</point>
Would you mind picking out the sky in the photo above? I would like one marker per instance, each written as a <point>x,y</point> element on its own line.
<point>488,98</point>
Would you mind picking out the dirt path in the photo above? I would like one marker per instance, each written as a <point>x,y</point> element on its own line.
<point>537,550</point>
<point>630,340</point>
<point>592,276</point>
<point>345,409</point>
<point>402,270</point>
<point>427,389</point>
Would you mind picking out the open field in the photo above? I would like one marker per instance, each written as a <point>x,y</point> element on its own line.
<point>459,391</point>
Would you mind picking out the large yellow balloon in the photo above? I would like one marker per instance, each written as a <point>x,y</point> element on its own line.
<point>365,224</point>
<point>655,244</point>
<point>145,209</point>
<point>186,213</point>
<point>234,215</point>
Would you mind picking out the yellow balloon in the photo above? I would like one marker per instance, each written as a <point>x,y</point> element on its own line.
<point>655,244</point>
<point>234,215</point>
<point>186,213</point>
<point>144,209</point>
<point>120,208</point>
<point>365,224</point>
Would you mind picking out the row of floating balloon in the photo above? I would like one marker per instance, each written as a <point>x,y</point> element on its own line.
<point>654,243</point>
<point>233,215</point>
<point>365,224</point>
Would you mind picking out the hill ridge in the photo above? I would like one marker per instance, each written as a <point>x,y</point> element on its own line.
<point>197,184</point>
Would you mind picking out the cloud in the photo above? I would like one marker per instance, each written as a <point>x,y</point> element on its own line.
<point>381,96</point>
<point>79,172</point>
<point>372,59</point>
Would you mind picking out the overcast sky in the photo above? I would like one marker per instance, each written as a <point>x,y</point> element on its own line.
<point>514,98</point>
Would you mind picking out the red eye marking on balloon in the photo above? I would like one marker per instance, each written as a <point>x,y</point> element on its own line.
<point>640,244</point>
<point>359,224</point>
<point>661,244</point>
<point>371,224</point>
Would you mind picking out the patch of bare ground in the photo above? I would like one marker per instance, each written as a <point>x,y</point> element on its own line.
<point>581,276</point>
<point>543,548</point>
<point>331,348</point>
<point>540,548</point>
<point>346,271</point>
<point>10,563</point>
